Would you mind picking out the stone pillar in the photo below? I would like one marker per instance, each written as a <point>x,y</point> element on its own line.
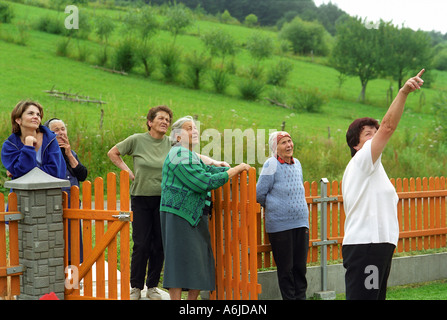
<point>41,234</point>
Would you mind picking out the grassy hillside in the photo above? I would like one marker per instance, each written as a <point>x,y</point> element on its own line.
<point>26,71</point>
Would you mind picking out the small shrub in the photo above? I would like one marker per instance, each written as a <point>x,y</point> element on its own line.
<point>251,89</point>
<point>169,58</point>
<point>254,71</point>
<point>51,25</point>
<point>145,54</point>
<point>42,23</point>
<point>308,100</point>
<point>196,65</point>
<point>6,13</point>
<point>124,56</point>
<point>23,28</point>
<point>230,66</point>
<point>277,74</point>
<point>83,52</point>
<point>220,80</point>
<point>62,47</point>
<point>102,56</point>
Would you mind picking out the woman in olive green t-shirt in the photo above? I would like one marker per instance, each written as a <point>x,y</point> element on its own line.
<point>148,151</point>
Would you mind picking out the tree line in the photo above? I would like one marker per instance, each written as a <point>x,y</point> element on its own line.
<point>312,30</point>
<point>382,50</point>
<point>268,12</point>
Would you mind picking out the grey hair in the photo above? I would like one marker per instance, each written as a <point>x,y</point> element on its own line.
<point>56,120</point>
<point>47,124</point>
<point>177,127</point>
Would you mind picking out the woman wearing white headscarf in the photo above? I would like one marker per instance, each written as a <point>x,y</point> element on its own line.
<point>280,191</point>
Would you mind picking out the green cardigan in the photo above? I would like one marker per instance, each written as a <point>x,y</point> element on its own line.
<point>186,181</point>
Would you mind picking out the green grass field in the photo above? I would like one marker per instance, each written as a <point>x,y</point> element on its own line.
<point>433,290</point>
<point>27,71</point>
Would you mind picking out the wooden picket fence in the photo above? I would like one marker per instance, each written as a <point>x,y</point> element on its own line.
<point>102,229</point>
<point>233,230</point>
<point>239,241</point>
<point>421,214</point>
<point>9,249</point>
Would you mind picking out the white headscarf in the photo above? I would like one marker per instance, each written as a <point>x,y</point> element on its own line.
<point>274,139</point>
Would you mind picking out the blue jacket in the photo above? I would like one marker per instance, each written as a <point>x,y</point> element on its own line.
<point>20,159</point>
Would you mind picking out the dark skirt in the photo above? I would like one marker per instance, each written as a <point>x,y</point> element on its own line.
<point>189,260</point>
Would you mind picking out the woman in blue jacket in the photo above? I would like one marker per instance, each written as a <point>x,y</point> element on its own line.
<point>31,145</point>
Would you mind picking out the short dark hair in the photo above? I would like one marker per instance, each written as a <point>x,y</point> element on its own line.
<point>19,109</point>
<point>355,129</point>
<point>153,113</point>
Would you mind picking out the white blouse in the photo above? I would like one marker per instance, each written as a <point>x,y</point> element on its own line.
<point>370,201</point>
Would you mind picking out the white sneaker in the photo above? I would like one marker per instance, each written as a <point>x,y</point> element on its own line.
<point>153,294</point>
<point>135,294</point>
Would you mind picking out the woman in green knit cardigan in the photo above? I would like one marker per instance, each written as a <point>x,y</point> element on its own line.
<point>186,185</point>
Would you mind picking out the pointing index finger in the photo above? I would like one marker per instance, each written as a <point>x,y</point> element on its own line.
<point>421,73</point>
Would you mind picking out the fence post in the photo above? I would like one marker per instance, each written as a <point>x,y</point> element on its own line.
<point>323,200</point>
<point>41,239</point>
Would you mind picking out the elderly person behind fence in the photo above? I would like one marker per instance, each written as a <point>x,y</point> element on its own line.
<point>370,203</point>
<point>76,171</point>
<point>280,191</point>
<point>149,151</point>
<point>184,209</point>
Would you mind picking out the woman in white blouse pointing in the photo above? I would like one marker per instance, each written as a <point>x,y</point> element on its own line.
<point>370,202</point>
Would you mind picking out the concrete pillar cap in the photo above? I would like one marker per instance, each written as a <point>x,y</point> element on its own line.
<point>36,179</point>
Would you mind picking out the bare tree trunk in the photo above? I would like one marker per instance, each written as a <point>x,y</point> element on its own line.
<point>363,92</point>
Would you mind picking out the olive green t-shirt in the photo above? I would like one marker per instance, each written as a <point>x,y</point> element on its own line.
<point>148,156</point>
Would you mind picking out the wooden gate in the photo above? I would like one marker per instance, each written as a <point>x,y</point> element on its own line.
<point>233,229</point>
<point>10,270</point>
<point>102,231</point>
